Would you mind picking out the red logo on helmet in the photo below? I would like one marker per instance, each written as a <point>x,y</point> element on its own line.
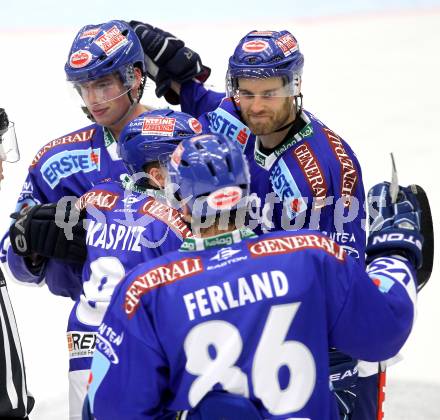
<point>80,59</point>
<point>224,198</point>
<point>90,33</point>
<point>195,125</point>
<point>255,46</point>
<point>158,126</point>
<point>261,33</point>
<point>287,43</point>
<point>111,40</point>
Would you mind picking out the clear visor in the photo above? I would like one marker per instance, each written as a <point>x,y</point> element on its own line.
<point>8,145</point>
<point>264,83</point>
<point>99,91</point>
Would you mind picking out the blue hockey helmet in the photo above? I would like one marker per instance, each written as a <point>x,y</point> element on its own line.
<point>266,54</point>
<point>153,136</point>
<point>212,174</point>
<point>99,50</point>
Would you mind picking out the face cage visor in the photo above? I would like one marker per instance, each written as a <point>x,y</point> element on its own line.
<point>92,92</point>
<point>290,85</point>
<point>9,151</point>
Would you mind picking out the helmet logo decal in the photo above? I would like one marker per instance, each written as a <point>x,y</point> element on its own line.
<point>158,126</point>
<point>287,43</point>
<point>261,33</point>
<point>195,125</point>
<point>90,33</point>
<point>224,198</point>
<point>111,40</point>
<point>255,46</point>
<point>80,59</point>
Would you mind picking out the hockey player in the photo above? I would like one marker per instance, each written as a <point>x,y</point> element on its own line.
<point>125,226</point>
<point>15,400</point>
<point>310,175</point>
<point>255,316</point>
<point>305,175</point>
<point>106,67</point>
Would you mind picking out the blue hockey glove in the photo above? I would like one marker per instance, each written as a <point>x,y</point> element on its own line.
<point>169,60</point>
<point>343,381</point>
<point>395,227</point>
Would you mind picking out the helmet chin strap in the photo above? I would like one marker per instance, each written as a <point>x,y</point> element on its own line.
<point>298,108</point>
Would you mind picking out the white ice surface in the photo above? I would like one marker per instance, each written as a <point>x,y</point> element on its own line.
<point>375,80</point>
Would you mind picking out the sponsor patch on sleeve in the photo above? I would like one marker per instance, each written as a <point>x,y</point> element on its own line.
<point>159,276</point>
<point>68,162</point>
<point>350,176</point>
<point>221,121</point>
<point>79,137</point>
<point>101,199</point>
<point>286,189</point>
<point>312,171</point>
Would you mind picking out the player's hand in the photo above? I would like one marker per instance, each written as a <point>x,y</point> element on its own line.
<point>395,227</point>
<point>41,230</point>
<point>168,60</point>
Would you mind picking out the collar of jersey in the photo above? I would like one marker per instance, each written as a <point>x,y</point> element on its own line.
<point>109,138</point>
<point>266,161</point>
<point>216,241</point>
<point>129,185</point>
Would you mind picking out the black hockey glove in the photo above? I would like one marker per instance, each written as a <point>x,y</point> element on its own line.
<point>48,231</point>
<point>168,60</point>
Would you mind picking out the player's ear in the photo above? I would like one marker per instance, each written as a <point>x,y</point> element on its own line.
<point>155,176</point>
<point>138,77</point>
<point>186,214</point>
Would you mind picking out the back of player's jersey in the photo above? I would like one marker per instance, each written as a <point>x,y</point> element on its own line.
<point>254,318</point>
<point>242,327</point>
<point>124,228</point>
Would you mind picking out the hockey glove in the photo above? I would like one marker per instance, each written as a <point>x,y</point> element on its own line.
<point>343,381</point>
<point>41,230</point>
<point>395,228</point>
<point>168,60</point>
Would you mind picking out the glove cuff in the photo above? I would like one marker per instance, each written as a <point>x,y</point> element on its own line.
<point>396,241</point>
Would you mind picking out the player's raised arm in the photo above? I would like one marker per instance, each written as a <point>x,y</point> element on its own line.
<point>380,312</point>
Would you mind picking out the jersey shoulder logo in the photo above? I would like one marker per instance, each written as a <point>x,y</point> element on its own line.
<point>77,137</point>
<point>159,276</point>
<point>167,215</point>
<point>69,162</point>
<point>286,189</point>
<point>223,122</point>
<point>310,167</point>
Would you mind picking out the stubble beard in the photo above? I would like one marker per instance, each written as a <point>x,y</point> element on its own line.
<point>274,120</point>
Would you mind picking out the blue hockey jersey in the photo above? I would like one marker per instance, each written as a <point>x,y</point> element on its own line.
<point>124,228</point>
<point>67,166</point>
<point>311,180</point>
<point>254,316</point>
